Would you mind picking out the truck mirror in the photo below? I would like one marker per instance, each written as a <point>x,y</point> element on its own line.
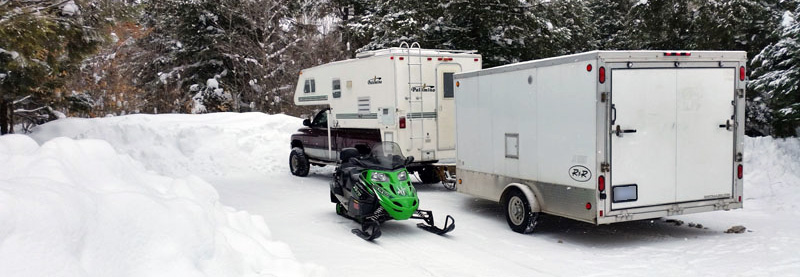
<point>306,122</point>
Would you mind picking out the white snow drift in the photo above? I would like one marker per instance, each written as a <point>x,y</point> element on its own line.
<point>78,208</point>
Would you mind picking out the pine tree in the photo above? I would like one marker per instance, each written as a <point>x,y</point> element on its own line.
<point>240,44</point>
<point>41,42</point>
<point>660,24</point>
<point>609,16</point>
<point>777,79</point>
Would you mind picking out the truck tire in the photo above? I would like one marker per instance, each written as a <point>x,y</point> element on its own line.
<point>298,162</point>
<point>427,175</point>
<point>518,212</point>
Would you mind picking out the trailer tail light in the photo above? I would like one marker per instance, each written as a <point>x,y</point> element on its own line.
<point>742,73</point>
<point>402,122</point>
<point>684,54</point>
<point>601,183</point>
<point>739,170</point>
<point>589,67</point>
<point>602,74</point>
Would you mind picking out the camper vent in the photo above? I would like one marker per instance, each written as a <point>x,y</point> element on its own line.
<point>363,105</point>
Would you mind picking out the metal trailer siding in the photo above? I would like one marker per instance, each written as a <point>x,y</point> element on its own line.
<point>487,177</point>
<point>517,126</point>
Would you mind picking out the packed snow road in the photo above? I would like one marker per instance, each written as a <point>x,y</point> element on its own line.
<point>245,156</point>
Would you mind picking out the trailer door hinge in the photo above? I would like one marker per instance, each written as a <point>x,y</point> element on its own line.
<point>740,92</point>
<point>605,167</point>
<point>603,97</point>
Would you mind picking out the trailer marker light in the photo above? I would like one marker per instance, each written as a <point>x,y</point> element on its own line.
<point>739,171</point>
<point>401,58</point>
<point>740,198</point>
<point>476,59</point>
<point>602,74</point>
<point>741,73</point>
<point>402,122</point>
<point>440,58</point>
<point>458,84</point>
<point>391,58</point>
<point>589,67</point>
<point>459,181</point>
<point>601,213</point>
<point>601,183</point>
<point>685,54</point>
<point>430,59</point>
<point>588,205</point>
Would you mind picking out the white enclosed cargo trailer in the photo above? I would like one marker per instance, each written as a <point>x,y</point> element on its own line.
<point>604,136</point>
<point>405,92</point>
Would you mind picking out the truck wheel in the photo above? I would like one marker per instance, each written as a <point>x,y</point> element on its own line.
<point>298,162</point>
<point>428,175</point>
<point>518,212</point>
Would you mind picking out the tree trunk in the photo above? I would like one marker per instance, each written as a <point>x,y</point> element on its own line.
<point>4,118</point>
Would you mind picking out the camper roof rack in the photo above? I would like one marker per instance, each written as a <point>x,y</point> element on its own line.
<point>404,51</point>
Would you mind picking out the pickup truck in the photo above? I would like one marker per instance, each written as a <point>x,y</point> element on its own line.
<point>316,144</point>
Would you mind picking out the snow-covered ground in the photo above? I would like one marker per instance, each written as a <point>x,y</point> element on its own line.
<point>148,209</point>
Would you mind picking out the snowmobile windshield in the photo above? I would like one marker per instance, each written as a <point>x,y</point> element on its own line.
<point>385,156</point>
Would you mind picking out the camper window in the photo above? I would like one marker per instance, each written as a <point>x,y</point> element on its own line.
<point>309,86</point>
<point>448,85</point>
<point>337,88</point>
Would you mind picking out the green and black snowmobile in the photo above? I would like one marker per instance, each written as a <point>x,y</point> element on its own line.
<point>372,186</point>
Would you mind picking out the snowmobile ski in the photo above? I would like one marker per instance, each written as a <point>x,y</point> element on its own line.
<point>427,216</point>
<point>369,231</point>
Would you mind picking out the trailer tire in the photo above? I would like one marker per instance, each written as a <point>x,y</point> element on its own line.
<point>518,212</point>
<point>427,175</point>
<point>298,162</point>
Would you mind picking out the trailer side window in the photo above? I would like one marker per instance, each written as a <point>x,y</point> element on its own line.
<point>310,87</point>
<point>448,85</point>
<point>337,88</point>
<point>512,146</point>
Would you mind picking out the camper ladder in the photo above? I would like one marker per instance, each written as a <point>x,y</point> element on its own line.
<point>416,104</point>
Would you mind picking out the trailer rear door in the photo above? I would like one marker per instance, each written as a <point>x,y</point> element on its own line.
<point>667,144</point>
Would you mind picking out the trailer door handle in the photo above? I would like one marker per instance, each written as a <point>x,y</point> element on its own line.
<point>613,114</point>
<point>619,131</point>
<point>727,125</point>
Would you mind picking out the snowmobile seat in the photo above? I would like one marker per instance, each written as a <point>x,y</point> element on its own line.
<point>345,155</point>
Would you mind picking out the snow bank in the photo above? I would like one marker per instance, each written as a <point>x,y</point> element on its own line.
<point>772,173</point>
<point>78,208</point>
<point>218,144</point>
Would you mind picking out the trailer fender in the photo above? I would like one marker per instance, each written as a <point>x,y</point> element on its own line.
<point>528,194</point>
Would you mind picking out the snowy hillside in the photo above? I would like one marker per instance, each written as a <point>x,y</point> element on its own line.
<point>76,197</point>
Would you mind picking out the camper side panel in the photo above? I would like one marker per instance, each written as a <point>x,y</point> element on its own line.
<point>367,90</point>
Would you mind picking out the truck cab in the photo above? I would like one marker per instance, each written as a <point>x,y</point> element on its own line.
<point>319,144</point>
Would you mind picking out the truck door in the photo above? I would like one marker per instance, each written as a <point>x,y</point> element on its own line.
<point>317,145</point>
<point>446,113</point>
<point>666,142</point>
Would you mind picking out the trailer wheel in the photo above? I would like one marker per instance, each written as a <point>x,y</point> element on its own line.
<point>298,162</point>
<point>518,212</point>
